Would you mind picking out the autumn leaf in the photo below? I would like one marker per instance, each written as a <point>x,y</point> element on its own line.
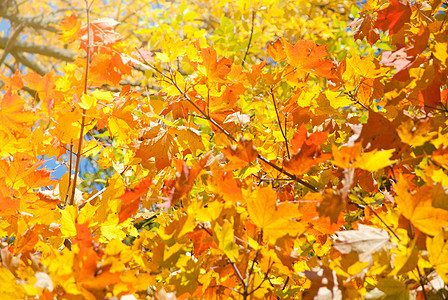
<point>394,16</point>
<point>155,143</point>
<point>309,155</point>
<point>70,27</point>
<point>183,183</point>
<point>276,50</point>
<point>202,241</point>
<point>307,56</point>
<point>275,220</point>
<point>240,155</point>
<point>366,240</point>
<point>102,30</point>
<point>438,252</point>
<point>418,209</point>
<point>224,235</point>
<point>13,115</point>
<point>130,200</point>
<point>215,69</point>
<point>364,27</point>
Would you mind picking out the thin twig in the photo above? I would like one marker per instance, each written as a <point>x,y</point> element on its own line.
<point>250,37</point>
<point>83,120</point>
<point>353,98</point>
<point>238,274</point>
<point>280,124</point>
<point>382,221</point>
<point>69,173</point>
<point>422,284</point>
<point>97,194</point>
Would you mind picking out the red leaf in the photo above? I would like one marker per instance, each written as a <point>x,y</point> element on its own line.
<point>394,16</point>
<point>430,97</point>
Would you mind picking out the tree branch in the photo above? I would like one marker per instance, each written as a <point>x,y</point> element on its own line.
<point>22,46</point>
<point>10,43</point>
<point>36,22</point>
<point>33,65</point>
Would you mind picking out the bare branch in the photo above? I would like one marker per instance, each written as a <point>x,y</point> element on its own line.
<point>36,22</point>
<point>33,65</point>
<point>10,43</point>
<point>22,46</point>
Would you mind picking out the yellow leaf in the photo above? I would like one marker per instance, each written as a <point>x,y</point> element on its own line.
<point>226,242</point>
<point>87,101</point>
<point>374,160</point>
<point>415,134</point>
<point>274,220</point>
<point>68,221</point>
<point>337,99</point>
<point>438,253</point>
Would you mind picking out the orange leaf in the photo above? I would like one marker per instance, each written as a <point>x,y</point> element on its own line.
<point>276,50</point>
<point>13,116</point>
<point>216,70</point>
<point>70,27</point>
<point>183,183</point>
<point>155,142</point>
<point>309,155</point>
<point>25,243</point>
<point>130,200</point>
<point>242,154</point>
<point>202,241</point>
<point>83,236</point>
<point>307,56</point>
<point>298,138</point>
<point>417,207</point>
<point>275,220</point>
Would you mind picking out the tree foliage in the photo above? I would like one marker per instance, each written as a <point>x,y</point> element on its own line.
<point>224,149</point>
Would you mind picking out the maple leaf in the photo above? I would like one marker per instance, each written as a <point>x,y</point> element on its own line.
<point>429,98</point>
<point>438,253</point>
<point>70,27</point>
<point>364,27</point>
<point>417,207</point>
<point>275,220</point>
<point>13,115</point>
<point>366,240</point>
<point>394,16</point>
<point>102,30</point>
<point>331,205</point>
<point>310,153</point>
<point>215,70</point>
<point>130,200</point>
<point>202,241</point>
<point>240,155</point>
<point>276,50</point>
<point>155,143</point>
<point>183,183</point>
<point>307,56</point>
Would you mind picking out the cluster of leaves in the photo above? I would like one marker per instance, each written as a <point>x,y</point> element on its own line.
<point>292,170</point>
